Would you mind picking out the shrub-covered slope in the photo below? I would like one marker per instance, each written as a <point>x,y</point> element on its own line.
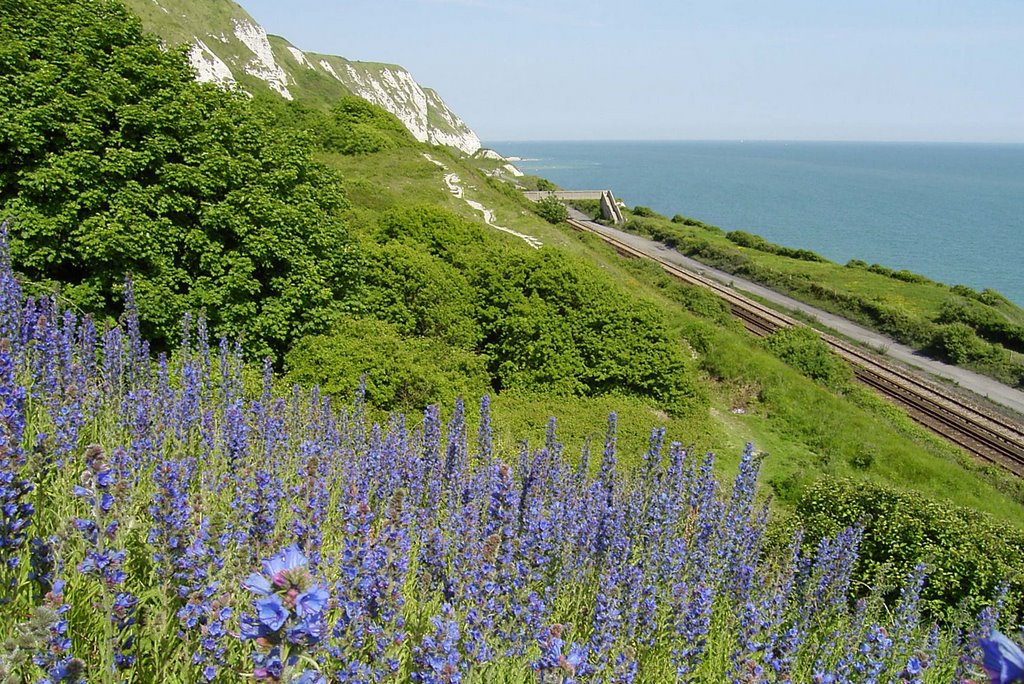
<point>218,532</point>
<point>979,330</point>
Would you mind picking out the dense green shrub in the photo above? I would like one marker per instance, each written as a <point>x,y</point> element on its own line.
<point>352,127</point>
<point>744,239</point>
<point>968,553</point>
<point>551,210</point>
<point>114,160</point>
<point>358,127</point>
<point>401,373</point>
<point>420,294</point>
<point>898,322</point>
<point>437,230</point>
<point>646,212</point>
<point>902,274</point>
<point>987,296</point>
<point>801,348</point>
<point>957,343</point>
<point>986,321</point>
<point>551,323</point>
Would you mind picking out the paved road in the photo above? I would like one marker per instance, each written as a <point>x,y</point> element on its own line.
<point>979,384</point>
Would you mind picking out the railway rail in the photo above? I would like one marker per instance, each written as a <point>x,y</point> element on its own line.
<point>988,436</point>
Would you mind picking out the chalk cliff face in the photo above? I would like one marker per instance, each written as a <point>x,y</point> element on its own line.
<point>230,48</point>
<point>393,88</point>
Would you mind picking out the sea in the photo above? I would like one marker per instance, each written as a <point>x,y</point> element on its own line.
<point>953,212</point>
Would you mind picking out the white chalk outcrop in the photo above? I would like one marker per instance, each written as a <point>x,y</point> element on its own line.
<point>460,135</point>
<point>263,65</point>
<point>420,109</point>
<point>208,66</point>
<point>240,45</point>
<point>300,57</point>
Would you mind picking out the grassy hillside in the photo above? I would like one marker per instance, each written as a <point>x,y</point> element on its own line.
<point>982,331</point>
<point>734,371</point>
<point>316,226</point>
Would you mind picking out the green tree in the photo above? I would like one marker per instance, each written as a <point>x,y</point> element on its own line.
<point>113,160</point>
<point>551,210</point>
<point>401,373</point>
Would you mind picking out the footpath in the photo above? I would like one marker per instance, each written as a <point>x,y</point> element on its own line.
<point>983,386</point>
<point>454,184</point>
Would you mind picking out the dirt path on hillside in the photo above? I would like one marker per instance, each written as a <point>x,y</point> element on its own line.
<point>993,390</point>
<point>454,184</point>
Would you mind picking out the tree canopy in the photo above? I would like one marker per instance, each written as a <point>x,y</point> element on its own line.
<point>113,160</point>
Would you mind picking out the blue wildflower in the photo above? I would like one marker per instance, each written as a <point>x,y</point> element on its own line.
<point>312,602</point>
<point>1003,659</point>
<point>289,608</point>
<point>271,612</point>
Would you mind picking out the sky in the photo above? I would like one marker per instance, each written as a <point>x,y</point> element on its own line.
<point>906,70</point>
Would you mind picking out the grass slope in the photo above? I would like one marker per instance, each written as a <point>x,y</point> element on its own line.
<point>807,429</point>
<point>979,330</point>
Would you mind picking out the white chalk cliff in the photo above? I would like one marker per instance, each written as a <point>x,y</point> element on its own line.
<point>223,54</point>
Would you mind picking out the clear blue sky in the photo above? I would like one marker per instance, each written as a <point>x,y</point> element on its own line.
<point>949,70</point>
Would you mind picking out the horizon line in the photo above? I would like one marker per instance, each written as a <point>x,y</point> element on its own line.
<point>754,140</point>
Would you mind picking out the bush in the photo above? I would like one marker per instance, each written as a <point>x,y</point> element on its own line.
<point>437,230</point>
<point>801,348</point>
<point>550,324</point>
<point>401,373</point>
<point>986,321</point>
<point>358,127</point>
<point>551,210</point>
<point>645,212</point>
<point>903,274</point>
<point>744,239</point>
<point>957,343</point>
<point>420,294</point>
<point>969,554</point>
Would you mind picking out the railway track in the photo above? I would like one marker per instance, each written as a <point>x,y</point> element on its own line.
<point>988,436</point>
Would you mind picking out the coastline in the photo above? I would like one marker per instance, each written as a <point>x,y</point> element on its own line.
<point>1008,397</point>
<point>942,212</point>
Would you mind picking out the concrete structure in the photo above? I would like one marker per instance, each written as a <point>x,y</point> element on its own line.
<point>609,207</point>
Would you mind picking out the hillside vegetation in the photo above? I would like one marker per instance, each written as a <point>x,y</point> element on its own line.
<point>324,243</point>
<point>236,534</point>
<point>982,331</point>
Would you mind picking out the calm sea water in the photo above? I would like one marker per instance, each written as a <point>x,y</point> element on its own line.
<point>953,212</point>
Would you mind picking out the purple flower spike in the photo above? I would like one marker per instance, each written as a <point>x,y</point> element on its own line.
<point>271,612</point>
<point>1004,660</point>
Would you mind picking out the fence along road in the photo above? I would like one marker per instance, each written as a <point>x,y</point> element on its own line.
<point>987,435</point>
